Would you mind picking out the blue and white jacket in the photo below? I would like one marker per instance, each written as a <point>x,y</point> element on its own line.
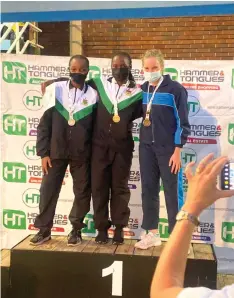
<point>169,116</point>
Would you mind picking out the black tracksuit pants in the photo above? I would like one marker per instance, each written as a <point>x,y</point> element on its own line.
<point>110,174</point>
<point>50,189</point>
<point>154,164</point>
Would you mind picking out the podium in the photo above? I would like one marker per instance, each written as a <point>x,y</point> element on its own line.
<point>90,270</point>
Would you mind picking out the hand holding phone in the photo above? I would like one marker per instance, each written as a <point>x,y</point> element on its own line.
<point>227,176</point>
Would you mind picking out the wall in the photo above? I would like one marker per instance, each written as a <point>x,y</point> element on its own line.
<point>198,38</point>
<point>54,38</point>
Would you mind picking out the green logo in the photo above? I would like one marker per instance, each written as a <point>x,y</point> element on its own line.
<point>30,150</point>
<point>193,105</point>
<point>90,229</point>
<point>14,219</point>
<point>14,172</point>
<point>172,72</point>
<point>188,155</point>
<point>33,100</point>
<point>228,232</point>
<point>94,72</point>
<point>231,133</point>
<point>232,83</point>
<point>31,197</point>
<point>14,72</point>
<point>15,125</point>
<point>163,228</point>
<point>36,81</point>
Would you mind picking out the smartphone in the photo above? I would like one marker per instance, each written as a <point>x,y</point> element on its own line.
<point>227,176</point>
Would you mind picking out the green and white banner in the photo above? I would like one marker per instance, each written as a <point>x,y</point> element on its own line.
<point>210,85</point>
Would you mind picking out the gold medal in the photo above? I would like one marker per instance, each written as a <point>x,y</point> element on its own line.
<point>146,122</point>
<point>116,118</point>
<point>71,122</point>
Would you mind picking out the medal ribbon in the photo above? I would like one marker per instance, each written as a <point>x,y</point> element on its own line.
<point>72,103</point>
<point>118,96</point>
<point>149,102</point>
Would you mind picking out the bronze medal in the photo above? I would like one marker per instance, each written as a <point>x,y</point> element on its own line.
<point>116,118</point>
<point>146,122</point>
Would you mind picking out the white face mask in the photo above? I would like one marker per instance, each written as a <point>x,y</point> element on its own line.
<point>152,76</point>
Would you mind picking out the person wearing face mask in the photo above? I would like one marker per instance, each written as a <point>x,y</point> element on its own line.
<point>64,137</point>
<point>163,133</point>
<point>119,105</point>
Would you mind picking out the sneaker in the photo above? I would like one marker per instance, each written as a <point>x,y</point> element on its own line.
<point>148,241</point>
<point>143,234</point>
<point>40,238</point>
<point>74,238</point>
<point>102,237</point>
<point>118,238</point>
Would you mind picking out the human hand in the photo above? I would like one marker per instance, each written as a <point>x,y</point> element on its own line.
<point>45,162</point>
<point>175,162</point>
<point>202,186</point>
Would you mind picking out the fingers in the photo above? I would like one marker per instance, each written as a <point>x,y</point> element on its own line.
<point>188,170</point>
<point>226,193</point>
<point>46,169</point>
<point>173,167</point>
<point>171,161</point>
<point>217,166</point>
<point>49,162</point>
<point>211,165</point>
<point>203,163</point>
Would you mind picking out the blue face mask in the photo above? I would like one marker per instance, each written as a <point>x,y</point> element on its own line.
<point>152,76</point>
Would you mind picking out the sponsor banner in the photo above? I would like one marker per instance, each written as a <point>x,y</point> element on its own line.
<point>210,86</point>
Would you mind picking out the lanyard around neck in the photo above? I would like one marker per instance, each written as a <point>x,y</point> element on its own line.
<point>149,102</point>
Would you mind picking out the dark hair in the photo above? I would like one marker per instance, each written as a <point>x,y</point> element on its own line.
<point>125,55</point>
<point>79,57</point>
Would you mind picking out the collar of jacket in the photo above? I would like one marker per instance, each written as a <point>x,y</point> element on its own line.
<point>85,87</point>
<point>129,84</point>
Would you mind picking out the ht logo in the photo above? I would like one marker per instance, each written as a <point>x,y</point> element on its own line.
<point>172,72</point>
<point>33,100</point>
<point>90,229</point>
<point>231,133</point>
<point>228,232</point>
<point>193,105</point>
<point>14,219</point>
<point>14,72</point>
<point>188,155</point>
<point>14,172</point>
<point>31,197</point>
<point>30,151</point>
<point>15,125</point>
<point>94,72</point>
<point>163,228</point>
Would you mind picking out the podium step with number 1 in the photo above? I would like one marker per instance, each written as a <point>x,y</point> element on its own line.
<point>90,270</point>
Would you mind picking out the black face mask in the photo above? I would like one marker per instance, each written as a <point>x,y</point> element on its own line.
<point>120,74</point>
<point>78,78</point>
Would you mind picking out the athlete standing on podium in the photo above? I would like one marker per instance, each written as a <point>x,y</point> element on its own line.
<point>163,133</point>
<point>119,105</point>
<point>64,137</point>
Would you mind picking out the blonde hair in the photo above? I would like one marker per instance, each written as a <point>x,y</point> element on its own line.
<point>154,53</point>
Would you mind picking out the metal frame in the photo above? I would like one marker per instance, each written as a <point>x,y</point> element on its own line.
<point>18,34</point>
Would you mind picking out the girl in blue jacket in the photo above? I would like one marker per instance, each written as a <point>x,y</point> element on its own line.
<point>163,133</point>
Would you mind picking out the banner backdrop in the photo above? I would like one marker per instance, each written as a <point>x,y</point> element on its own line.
<point>210,85</point>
